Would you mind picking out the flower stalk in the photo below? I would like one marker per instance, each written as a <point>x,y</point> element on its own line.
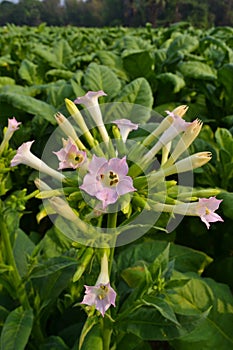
<point>16,279</point>
<point>77,116</point>
<point>68,129</point>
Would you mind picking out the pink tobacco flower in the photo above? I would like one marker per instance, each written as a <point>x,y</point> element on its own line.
<point>13,125</point>
<point>206,210</point>
<point>90,99</point>
<point>102,295</point>
<point>24,156</point>
<point>107,179</point>
<point>70,156</point>
<point>125,127</point>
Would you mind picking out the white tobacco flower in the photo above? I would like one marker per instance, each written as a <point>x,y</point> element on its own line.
<point>24,156</point>
<point>90,100</point>
<point>125,126</point>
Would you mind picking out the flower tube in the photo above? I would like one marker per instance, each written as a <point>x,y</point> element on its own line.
<point>186,140</point>
<point>24,156</point>
<point>77,116</point>
<point>166,122</point>
<point>179,125</point>
<point>68,129</point>
<point>90,100</point>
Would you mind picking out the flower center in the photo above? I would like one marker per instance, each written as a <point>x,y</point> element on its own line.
<point>109,179</point>
<point>77,158</point>
<point>103,291</point>
<point>207,211</point>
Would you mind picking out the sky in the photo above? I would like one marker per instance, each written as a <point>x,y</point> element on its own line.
<point>16,1</point>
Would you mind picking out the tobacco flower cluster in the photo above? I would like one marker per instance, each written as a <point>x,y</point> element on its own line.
<point>106,177</point>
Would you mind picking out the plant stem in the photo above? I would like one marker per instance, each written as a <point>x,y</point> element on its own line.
<point>106,334</point>
<point>19,287</point>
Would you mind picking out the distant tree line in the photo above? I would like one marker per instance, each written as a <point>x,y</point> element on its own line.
<point>99,13</point>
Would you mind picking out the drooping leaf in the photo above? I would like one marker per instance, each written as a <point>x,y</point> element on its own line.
<point>171,82</point>
<point>17,329</point>
<point>197,70</point>
<point>54,343</point>
<point>148,324</point>
<point>183,43</point>
<point>6,81</point>
<point>28,72</point>
<point>30,105</point>
<point>52,265</point>
<point>215,331</point>
<point>22,249</point>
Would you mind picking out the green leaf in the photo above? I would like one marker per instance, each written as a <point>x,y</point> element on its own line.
<point>48,57</point>
<point>113,61</point>
<point>225,77</point>
<point>224,140</point>
<point>134,102</point>
<point>215,331</point>
<point>171,82</point>
<point>138,63</point>
<point>59,73</point>
<point>148,324</point>
<point>62,51</point>
<point>52,265</point>
<point>28,72</point>
<point>160,263</point>
<point>132,342</point>
<point>30,105</point>
<point>137,92</point>
<point>162,306</point>
<point>98,77</point>
<point>183,43</point>
<point>23,247</point>
<point>186,259</point>
<point>7,81</point>
<point>51,280</point>
<point>17,329</point>
<point>197,70</point>
<point>226,204</point>
<point>54,343</point>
